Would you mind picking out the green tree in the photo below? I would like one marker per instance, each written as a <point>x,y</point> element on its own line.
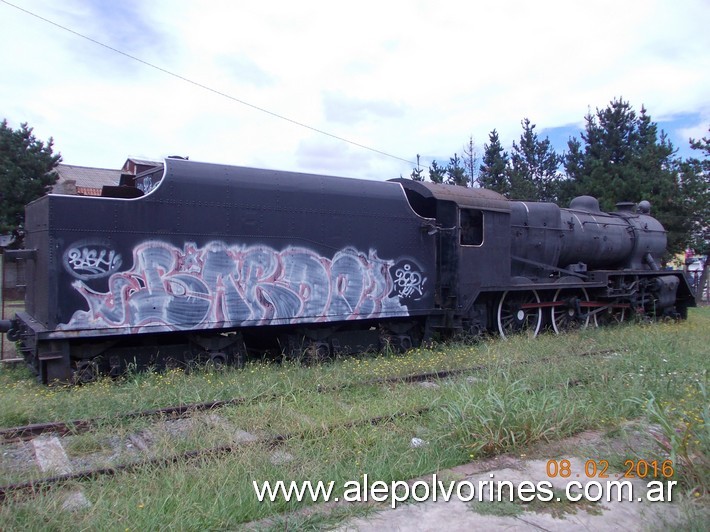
<point>470,161</point>
<point>534,167</point>
<point>695,178</point>
<point>600,165</point>
<point>703,146</point>
<point>417,173</point>
<point>456,173</point>
<point>493,173</point>
<point>623,157</point>
<point>26,173</point>
<point>573,161</point>
<point>436,173</point>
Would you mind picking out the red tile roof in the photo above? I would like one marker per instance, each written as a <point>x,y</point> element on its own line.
<point>87,191</point>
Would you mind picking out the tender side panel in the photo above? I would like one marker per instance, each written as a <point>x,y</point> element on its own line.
<point>40,294</point>
<point>222,247</point>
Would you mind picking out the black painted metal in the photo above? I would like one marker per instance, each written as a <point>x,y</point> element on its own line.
<point>210,249</point>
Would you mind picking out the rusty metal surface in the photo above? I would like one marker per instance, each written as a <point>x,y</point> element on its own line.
<point>463,196</point>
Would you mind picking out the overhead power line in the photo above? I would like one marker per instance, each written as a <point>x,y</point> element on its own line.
<point>203,86</point>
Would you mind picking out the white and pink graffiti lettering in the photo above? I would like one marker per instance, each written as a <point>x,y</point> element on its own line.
<point>220,286</point>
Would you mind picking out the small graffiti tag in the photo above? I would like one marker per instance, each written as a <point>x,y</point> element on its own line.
<point>91,261</point>
<point>145,185</point>
<point>408,281</point>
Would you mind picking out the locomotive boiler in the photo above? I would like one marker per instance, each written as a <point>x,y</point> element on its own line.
<point>213,262</point>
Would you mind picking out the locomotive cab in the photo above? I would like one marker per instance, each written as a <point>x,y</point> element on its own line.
<point>473,247</point>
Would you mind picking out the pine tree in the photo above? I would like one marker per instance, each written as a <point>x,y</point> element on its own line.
<point>470,162</point>
<point>436,173</point>
<point>26,173</point>
<point>605,170</point>
<point>573,162</point>
<point>695,179</point>
<point>703,146</point>
<point>534,171</point>
<point>623,157</point>
<point>493,173</point>
<point>455,172</point>
<point>417,173</point>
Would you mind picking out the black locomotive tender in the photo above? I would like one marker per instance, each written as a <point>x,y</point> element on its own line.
<point>214,260</point>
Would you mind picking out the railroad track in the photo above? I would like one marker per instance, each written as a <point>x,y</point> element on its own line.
<point>34,487</point>
<point>42,485</point>
<point>73,427</point>
<point>28,432</point>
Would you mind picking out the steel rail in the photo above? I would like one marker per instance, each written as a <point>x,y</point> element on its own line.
<point>78,426</point>
<point>34,487</point>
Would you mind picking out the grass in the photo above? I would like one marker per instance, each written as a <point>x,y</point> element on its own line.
<point>655,376</point>
<point>29,402</point>
<point>683,434</point>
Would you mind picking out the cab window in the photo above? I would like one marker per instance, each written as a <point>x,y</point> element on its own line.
<point>471,227</point>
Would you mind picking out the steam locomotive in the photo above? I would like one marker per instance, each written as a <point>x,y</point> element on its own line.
<point>210,262</point>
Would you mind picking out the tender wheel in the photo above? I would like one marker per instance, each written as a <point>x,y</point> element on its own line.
<point>86,371</point>
<point>218,360</point>
<point>569,313</point>
<point>519,312</point>
<point>404,342</point>
<point>317,352</point>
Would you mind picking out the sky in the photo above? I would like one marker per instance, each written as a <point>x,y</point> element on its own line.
<point>354,89</point>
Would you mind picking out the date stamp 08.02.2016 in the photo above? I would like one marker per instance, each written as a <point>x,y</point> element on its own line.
<point>596,469</point>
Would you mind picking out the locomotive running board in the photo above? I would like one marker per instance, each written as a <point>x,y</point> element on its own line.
<point>547,267</point>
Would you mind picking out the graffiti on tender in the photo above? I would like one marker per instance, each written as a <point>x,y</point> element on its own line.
<point>409,281</point>
<point>145,184</point>
<point>169,288</point>
<point>91,260</point>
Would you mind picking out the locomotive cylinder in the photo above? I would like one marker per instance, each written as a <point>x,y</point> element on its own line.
<point>665,288</point>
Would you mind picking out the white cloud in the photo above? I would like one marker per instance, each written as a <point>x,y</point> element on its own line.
<point>400,77</point>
